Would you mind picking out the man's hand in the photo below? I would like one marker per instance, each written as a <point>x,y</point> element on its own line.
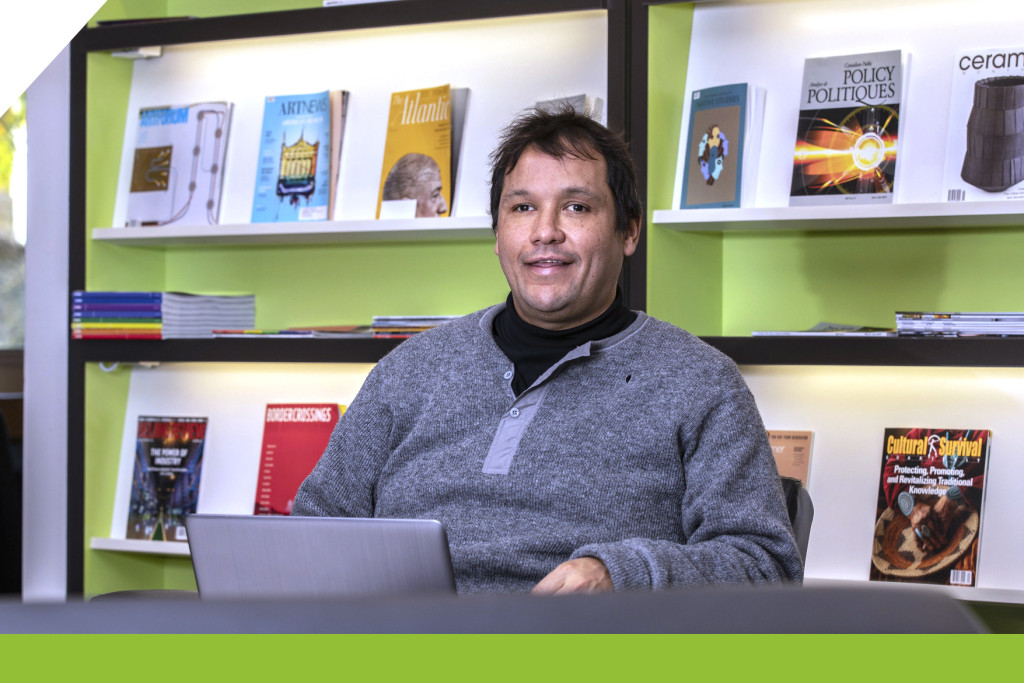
<point>582,575</point>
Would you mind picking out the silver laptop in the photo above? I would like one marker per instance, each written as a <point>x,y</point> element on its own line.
<point>246,556</point>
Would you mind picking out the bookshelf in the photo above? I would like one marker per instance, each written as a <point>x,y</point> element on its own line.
<point>723,273</point>
<point>339,272</point>
<point>720,274</point>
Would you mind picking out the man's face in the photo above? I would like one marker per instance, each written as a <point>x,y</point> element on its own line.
<point>556,239</point>
<point>427,193</point>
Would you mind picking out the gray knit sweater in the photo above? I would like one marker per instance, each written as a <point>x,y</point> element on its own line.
<point>644,450</point>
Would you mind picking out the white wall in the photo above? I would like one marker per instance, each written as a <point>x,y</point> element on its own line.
<point>44,562</point>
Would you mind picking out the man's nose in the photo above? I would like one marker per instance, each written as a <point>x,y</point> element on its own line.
<point>547,226</point>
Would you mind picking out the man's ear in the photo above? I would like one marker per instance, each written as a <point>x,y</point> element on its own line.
<point>632,237</point>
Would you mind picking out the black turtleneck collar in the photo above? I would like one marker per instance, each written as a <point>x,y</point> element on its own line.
<point>534,349</point>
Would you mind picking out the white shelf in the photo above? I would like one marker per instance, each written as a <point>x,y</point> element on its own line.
<point>125,545</point>
<point>956,592</point>
<point>318,232</point>
<point>854,217</point>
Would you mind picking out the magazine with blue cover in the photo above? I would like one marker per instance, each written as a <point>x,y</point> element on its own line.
<point>294,167</point>
<point>718,147</point>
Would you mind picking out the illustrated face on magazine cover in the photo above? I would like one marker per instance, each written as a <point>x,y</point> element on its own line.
<point>428,195</point>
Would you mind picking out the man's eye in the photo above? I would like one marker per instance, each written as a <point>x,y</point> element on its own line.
<point>577,208</point>
<point>521,208</point>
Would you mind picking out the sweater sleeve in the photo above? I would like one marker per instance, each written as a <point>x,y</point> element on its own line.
<point>343,482</point>
<point>733,514</point>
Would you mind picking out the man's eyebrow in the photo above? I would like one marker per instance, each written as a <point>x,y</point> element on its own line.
<point>572,191</point>
<point>579,192</point>
<point>514,194</point>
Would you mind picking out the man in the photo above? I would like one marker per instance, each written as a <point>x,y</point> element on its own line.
<point>417,176</point>
<point>566,442</point>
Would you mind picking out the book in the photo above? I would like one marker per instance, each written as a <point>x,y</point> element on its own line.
<point>166,476</point>
<point>792,451</point>
<point>847,137</point>
<point>178,165</point>
<point>984,156</point>
<point>930,506</point>
<point>157,315</point>
<point>719,141</point>
<point>294,437</point>
<point>421,152</point>
<point>293,173</point>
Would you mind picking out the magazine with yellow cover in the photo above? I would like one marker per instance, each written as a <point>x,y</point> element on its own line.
<point>416,177</point>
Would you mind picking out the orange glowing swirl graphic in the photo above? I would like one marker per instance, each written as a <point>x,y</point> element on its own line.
<point>850,156</point>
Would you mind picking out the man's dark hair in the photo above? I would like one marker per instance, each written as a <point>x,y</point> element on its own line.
<point>562,133</point>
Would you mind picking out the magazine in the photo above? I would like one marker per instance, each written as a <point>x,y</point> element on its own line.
<point>984,157</point>
<point>339,112</point>
<point>792,451</point>
<point>959,324</point>
<point>930,506</point>
<point>178,165</point>
<point>827,329</point>
<point>847,134</point>
<point>165,479</point>
<point>294,437</point>
<point>718,147</point>
<point>418,168</point>
<point>293,174</point>
<point>591,106</point>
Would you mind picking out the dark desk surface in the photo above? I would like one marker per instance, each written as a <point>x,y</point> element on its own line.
<point>776,609</point>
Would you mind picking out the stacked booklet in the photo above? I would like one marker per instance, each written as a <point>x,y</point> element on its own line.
<point>402,326</point>
<point>974,324</point>
<point>157,315</point>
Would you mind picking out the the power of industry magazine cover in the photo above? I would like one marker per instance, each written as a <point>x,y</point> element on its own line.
<point>178,165</point>
<point>930,506</point>
<point>294,437</point>
<point>985,138</point>
<point>847,136</point>
<point>416,175</point>
<point>718,144</point>
<point>165,477</point>
<point>293,173</point>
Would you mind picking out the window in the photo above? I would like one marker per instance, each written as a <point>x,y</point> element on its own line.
<point>13,171</point>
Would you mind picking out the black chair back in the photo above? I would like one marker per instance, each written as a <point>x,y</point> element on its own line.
<point>801,512</point>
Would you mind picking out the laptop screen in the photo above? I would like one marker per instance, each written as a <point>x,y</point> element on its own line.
<point>246,556</point>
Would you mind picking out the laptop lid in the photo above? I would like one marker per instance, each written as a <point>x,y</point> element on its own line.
<point>246,556</point>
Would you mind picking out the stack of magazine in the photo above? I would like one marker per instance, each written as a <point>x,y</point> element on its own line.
<point>157,315</point>
<point>974,324</point>
<point>400,327</point>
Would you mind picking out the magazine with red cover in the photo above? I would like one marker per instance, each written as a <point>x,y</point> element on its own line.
<point>930,506</point>
<point>294,437</point>
<point>165,481</point>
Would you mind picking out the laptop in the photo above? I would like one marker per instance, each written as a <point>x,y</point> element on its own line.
<point>247,556</point>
